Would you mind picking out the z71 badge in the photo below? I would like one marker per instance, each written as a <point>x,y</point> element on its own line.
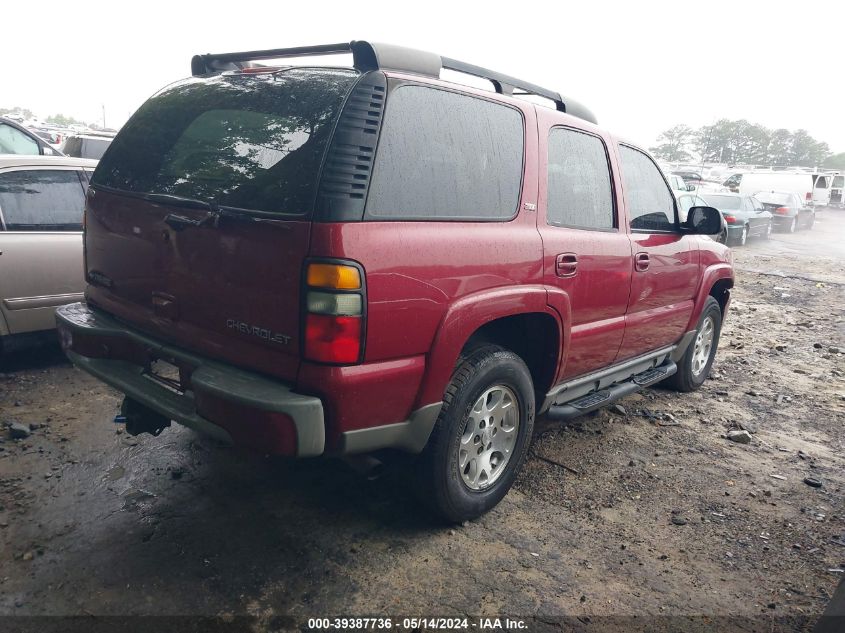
<point>261,332</point>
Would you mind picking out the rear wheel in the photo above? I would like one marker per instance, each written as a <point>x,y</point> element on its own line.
<point>481,436</point>
<point>743,236</point>
<point>694,366</point>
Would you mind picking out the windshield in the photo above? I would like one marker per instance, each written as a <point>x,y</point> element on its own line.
<point>246,141</point>
<point>724,202</point>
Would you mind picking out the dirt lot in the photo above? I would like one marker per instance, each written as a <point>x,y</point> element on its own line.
<point>662,516</point>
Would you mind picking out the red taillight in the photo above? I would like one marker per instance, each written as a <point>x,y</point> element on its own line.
<point>730,219</point>
<point>782,210</point>
<point>333,339</point>
<point>808,196</point>
<point>334,312</point>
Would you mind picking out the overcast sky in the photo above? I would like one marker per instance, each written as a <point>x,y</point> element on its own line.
<point>641,66</point>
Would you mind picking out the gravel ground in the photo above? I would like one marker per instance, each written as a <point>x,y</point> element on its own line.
<point>644,510</point>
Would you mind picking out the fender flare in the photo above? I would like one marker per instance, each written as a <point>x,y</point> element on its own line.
<point>465,316</point>
<point>711,275</point>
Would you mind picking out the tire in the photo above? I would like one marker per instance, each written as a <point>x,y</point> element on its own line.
<point>743,237</point>
<point>451,474</point>
<point>693,368</point>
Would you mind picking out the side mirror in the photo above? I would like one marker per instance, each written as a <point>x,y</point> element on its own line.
<point>703,221</point>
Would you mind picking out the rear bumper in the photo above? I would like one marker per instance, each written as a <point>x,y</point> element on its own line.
<point>223,401</point>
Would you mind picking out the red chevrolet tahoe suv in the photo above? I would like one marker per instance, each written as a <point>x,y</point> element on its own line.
<point>323,261</point>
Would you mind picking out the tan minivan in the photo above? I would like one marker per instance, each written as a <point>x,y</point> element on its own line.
<point>41,204</point>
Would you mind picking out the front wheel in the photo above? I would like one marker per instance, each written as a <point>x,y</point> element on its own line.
<point>481,436</point>
<point>695,364</point>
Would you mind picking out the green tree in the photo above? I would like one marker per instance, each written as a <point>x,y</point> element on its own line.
<point>61,119</point>
<point>674,144</point>
<point>807,151</point>
<point>780,147</point>
<point>834,161</point>
<point>24,112</point>
<point>729,141</point>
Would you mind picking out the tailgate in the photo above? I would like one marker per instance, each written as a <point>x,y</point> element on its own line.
<point>199,214</point>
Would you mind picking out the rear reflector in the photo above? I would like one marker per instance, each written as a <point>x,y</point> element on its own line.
<point>333,339</point>
<point>730,219</point>
<point>782,210</point>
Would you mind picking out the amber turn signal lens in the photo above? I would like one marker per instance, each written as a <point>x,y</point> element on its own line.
<point>336,276</point>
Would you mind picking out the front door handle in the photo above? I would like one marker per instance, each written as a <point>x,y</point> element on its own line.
<point>641,262</point>
<point>566,265</point>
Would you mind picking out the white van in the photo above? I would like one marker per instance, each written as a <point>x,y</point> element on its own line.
<point>812,188</point>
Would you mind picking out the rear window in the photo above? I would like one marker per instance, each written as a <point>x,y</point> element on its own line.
<point>449,156</point>
<point>94,147</point>
<point>251,142</point>
<point>724,202</point>
<point>41,200</point>
<point>774,198</point>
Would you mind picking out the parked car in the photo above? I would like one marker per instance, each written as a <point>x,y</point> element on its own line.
<point>687,201</point>
<point>88,145</point>
<point>269,266</point>
<point>788,211</point>
<point>678,184</point>
<point>745,216</point>
<point>41,202</point>
<point>690,177</point>
<point>16,139</point>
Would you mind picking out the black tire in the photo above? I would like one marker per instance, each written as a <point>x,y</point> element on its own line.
<point>743,237</point>
<point>686,379</point>
<point>439,480</point>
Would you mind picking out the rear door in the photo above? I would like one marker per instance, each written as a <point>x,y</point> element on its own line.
<point>586,250</point>
<point>665,267</point>
<point>199,214</point>
<point>821,191</point>
<point>40,245</point>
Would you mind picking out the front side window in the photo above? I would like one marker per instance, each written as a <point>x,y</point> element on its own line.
<point>41,200</point>
<point>13,141</point>
<point>446,156</point>
<point>579,188</point>
<point>651,206</point>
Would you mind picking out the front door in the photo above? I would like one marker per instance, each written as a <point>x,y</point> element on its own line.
<point>40,245</point>
<point>587,256</point>
<point>665,266</point>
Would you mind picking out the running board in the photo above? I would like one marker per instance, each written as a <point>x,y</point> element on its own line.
<point>598,399</point>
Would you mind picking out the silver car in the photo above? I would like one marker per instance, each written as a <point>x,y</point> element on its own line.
<point>41,204</point>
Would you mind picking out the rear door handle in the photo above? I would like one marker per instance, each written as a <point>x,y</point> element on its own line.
<point>566,265</point>
<point>641,262</point>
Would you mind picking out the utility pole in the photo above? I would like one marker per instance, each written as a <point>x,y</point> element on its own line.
<point>104,115</point>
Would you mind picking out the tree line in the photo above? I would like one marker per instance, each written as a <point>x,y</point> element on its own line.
<point>741,142</point>
<point>55,119</point>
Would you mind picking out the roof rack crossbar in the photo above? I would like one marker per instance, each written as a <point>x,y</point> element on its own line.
<point>370,56</point>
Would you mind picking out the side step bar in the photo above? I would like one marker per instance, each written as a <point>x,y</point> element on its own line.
<point>599,399</point>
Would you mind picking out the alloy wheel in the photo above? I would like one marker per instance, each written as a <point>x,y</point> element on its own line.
<point>703,346</point>
<point>489,438</point>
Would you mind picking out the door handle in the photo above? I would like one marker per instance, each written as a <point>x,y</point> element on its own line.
<point>641,262</point>
<point>566,265</point>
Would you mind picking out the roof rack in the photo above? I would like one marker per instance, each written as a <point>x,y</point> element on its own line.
<point>369,56</point>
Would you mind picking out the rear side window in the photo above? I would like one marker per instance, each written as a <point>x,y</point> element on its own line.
<point>579,190</point>
<point>41,200</point>
<point>252,142</point>
<point>651,205</point>
<point>446,156</point>
<point>13,141</point>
